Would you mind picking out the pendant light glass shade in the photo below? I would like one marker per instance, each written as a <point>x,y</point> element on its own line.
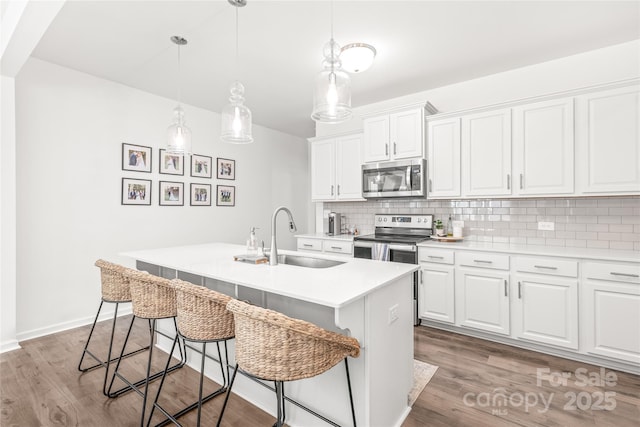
<point>178,134</point>
<point>332,91</point>
<point>236,118</point>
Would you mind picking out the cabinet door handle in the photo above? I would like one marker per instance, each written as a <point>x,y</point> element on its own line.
<point>521,185</point>
<point>546,267</point>
<point>435,257</point>
<point>421,281</point>
<point>430,186</point>
<point>505,288</point>
<point>508,181</point>
<point>394,149</point>
<point>332,190</point>
<point>338,189</point>
<point>519,290</point>
<point>483,261</point>
<point>624,274</point>
<point>386,149</point>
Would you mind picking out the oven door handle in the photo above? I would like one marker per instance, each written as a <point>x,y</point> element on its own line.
<point>392,247</point>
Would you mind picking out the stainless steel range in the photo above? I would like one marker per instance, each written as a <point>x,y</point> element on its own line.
<point>396,239</point>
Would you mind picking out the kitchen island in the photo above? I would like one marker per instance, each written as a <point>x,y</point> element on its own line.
<point>366,299</point>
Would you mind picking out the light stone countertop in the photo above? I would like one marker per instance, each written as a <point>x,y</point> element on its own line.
<point>555,251</point>
<point>324,236</point>
<point>333,287</point>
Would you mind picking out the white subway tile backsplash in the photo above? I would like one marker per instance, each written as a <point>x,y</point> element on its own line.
<point>597,222</point>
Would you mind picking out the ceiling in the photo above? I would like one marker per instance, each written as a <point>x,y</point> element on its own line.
<point>421,45</point>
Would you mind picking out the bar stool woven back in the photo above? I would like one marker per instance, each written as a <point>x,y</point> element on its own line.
<point>202,313</point>
<point>115,286</point>
<point>152,297</point>
<point>276,347</point>
<point>202,316</point>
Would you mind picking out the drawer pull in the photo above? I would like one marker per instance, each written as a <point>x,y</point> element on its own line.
<point>505,288</point>
<point>336,247</point>
<point>625,274</point>
<point>483,261</point>
<point>546,267</point>
<point>307,245</point>
<point>519,290</point>
<point>435,257</point>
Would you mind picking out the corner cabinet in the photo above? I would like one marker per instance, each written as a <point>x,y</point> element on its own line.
<point>608,141</point>
<point>394,136</point>
<point>336,168</point>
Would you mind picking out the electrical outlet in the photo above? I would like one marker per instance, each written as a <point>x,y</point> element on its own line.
<point>393,313</point>
<point>546,226</point>
<point>458,224</point>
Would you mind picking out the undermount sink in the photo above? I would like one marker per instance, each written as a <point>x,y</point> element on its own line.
<point>306,261</point>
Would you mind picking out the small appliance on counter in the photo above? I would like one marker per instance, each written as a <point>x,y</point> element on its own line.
<point>334,224</point>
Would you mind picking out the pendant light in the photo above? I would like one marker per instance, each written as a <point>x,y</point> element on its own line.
<point>178,134</point>
<point>332,92</point>
<point>235,116</point>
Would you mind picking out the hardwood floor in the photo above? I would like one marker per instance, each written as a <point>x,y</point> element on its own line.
<point>40,386</point>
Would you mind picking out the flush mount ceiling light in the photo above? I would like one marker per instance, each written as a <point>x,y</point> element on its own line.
<point>178,134</point>
<point>236,117</point>
<point>332,91</point>
<point>357,57</point>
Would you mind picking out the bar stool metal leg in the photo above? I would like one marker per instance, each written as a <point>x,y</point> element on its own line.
<point>226,398</point>
<point>201,400</point>
<point>105,363</point>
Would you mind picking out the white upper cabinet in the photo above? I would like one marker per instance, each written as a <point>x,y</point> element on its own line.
<point>608,141</point>
<point>336,168</point>
<point>543,148</point>
<point>486,153</point>
<point>443,142</point>
<point>323,175</point>
<point>349,167</point>
<point>394,136</point>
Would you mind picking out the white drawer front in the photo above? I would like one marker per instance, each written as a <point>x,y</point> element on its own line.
<point>556,267</point>
<point>629,273</point>
<point>436,255</point>
<point>483,259</point>
<point>336,246</point>
<point>309,244</point>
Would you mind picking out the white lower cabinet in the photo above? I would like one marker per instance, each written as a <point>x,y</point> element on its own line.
<point>482,299</point>
<point>436,290</point>
<point>610,304</point>
<point>319,245</point>
<point>545,310</point>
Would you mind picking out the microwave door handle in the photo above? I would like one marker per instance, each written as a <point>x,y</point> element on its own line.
<point>408,173</point>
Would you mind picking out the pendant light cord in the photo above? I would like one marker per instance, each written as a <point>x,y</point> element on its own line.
<point>237,49</point>
<point>179,78</point>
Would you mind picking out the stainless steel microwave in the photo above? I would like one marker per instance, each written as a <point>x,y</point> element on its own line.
<point>404,178</point>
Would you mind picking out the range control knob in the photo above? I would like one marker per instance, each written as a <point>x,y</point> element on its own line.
<point>419,219</point>
<point>379,219</point>
<point>385,220</point>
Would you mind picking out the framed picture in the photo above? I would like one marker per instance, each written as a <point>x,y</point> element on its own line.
<point>225,195</point>
<point>171,164</point>
<point>136,191</point>
<point>136,158</point>
<point>226,169</point>
<point>171,193</point>
<point>200,194</point>
<point>200,166</point>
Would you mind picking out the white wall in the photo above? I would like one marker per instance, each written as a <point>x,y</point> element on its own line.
<point>70,130</point>
<point>7,216</point>
<point>613,63</point>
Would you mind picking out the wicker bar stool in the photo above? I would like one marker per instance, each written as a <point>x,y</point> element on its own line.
<point>273,347</point>
<point>114,290</point>
<point>152,298</point>
<point>202,317</point>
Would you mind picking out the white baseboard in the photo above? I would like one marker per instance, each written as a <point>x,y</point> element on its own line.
<point>64,326</point>
<point>9,346</point>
